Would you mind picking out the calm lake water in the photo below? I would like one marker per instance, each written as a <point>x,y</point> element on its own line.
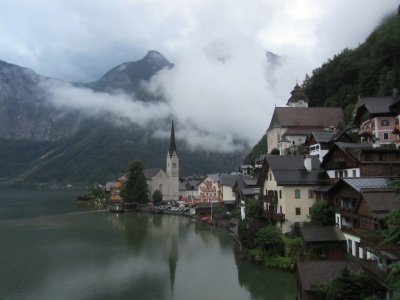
<point>49,249</point>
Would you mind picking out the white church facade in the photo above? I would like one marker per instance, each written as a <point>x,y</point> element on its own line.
<point>166,182</point>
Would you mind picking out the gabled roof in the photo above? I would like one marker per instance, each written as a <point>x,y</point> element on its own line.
<point>290,170</point>
<point>150,173</point>
<point>375,106</point>
<point>228,180</point>
<point>322,234</point>
<point>297,95</point>
<point>316,273</point>
<point>316,117</point>
<point>323,136</point>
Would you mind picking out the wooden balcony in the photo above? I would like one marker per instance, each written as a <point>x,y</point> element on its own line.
<point>271,215</point>
<point>365,131</point>
<point>270,199</point>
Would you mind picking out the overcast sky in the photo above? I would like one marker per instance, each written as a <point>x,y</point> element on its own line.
<point>78,40</point>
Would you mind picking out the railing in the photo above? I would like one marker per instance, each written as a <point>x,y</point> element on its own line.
<point>271,215</point>
<point>365,130</point>
<point>270,199</point>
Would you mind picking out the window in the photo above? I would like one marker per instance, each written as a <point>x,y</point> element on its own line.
<point>298,211</point>
<point>354,173</point>
<point>280,194</point>
<point>385,122</point>
<point>345,173</point>
<point>270,176</point>
<point>297,194</point>
<point>385,135</point>
<point>310,194</point>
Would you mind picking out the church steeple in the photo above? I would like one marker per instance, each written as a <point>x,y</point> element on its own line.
<point>172,143</point>
<point>298,98</point>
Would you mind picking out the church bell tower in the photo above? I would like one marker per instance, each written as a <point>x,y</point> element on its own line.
<point>173,166</point>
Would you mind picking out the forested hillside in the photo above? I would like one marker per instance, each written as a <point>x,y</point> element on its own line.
<point>371,69</point>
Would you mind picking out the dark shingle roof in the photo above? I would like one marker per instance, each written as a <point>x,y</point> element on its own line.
<point>150,173</point>
<point>383,201</point>
<point>290,170</point>
<point>323,136</point>
<point>317,117</point>
<point>376,105</point>
<point>316,273</point>
<point>228,180</point>
<point>322,234</point>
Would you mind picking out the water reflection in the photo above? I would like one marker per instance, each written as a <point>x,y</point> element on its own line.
<point>50,251</point>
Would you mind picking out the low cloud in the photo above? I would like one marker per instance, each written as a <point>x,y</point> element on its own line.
<point>221,97</point>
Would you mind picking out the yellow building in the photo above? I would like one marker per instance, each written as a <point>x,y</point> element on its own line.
<point>288,184</point>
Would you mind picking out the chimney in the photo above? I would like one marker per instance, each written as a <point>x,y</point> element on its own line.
<point>307,163</point>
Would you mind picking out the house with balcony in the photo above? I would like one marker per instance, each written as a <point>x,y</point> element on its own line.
<point>287,184</point>
<point>290,126</point>
<point>376,119</point>
<point>359,160</point>
<point>209,190</point>
<point>361,204</point>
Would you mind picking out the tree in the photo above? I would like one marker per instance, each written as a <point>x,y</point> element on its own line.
<point>157,197</point>
<point>270,240</point>
<point>275,151</point>
<point>135,189</point>
<point>252,209</point>
<point>322,214</point>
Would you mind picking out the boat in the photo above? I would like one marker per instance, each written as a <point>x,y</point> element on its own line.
<point>116,208</point>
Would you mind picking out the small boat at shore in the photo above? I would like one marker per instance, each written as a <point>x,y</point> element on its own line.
<point>116,208</point>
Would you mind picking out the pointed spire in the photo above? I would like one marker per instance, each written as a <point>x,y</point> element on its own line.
<point>172,144</point>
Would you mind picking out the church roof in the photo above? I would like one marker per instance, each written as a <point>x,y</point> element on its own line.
<point>315,117</point>
<point>150,173</point>
<point>172,143</point>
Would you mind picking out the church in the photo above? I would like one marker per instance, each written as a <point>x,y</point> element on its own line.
<point>291,125</point>
<point>166,182</point>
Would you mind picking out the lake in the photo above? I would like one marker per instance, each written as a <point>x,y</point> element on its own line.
<point>50,249</point>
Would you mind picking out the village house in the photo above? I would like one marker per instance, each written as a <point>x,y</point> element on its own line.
<point>189,189</point>
<point>245,188</point>
<point>314,274</point>
<point>288,184</point>
<point>324,243</point>
<point>291,125</point>
<point>360,160</point>
<point>115,190</point>
<point>209,189</point>
<point>361,204</point>
<point>319,142</point>
<point>376,118</point>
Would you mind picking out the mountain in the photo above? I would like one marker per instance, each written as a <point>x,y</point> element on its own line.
<point>42,144</point>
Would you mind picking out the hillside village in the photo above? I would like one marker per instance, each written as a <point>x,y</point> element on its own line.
<point>318,158</point>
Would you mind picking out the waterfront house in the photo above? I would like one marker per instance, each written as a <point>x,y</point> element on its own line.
<point>312,275</point>
<point>189,189</point>
<point>361,204</point>
<point>287,185</point>
<point>359,160</point>
<point>324,243</point>
<point>115,191</point>
<point>209,189</point>
<point>290,126</point>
